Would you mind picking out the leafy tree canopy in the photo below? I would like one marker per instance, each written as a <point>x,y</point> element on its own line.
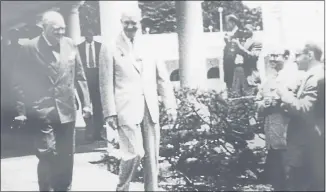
<point>160,16</point>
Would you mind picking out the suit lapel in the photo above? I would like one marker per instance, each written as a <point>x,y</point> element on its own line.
<point>301,88</point>
<point>47,59</point>
<point>308,75</point>
<point>127,51</point>
<point>82,51</point>
<point>97,52</point>
<point>65,55</point>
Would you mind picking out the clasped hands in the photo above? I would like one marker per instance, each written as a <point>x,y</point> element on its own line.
<point>275,99</point>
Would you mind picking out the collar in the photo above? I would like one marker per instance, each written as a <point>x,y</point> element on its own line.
<point>91,43</point>
<point>46,40</point>
<point>318,66</point>
<point>127,39</point>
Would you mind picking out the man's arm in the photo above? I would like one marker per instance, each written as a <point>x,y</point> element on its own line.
<point>165,88</point>
<point>81,83</point>
<point>78,88</point>
<point>303,106</point>
<point>19,79</point>
<point>107,82</point>
<point>254,52</point>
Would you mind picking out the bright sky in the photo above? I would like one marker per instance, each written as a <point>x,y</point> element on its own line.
<point>252,4</point>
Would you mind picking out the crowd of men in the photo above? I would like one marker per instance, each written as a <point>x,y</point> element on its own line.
<point>119,87</point>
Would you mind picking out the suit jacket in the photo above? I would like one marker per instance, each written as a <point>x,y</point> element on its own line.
<point>129,78</point>
<point>45,86</point>
<point>306,110</point>
<point>82,51</point>
<point>92,74</point>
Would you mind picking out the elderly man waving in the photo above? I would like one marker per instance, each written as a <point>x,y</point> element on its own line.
<point>45,79</point>
<point>129,83</point>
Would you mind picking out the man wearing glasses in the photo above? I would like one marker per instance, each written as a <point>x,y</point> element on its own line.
<point>305,135</point>
<point>130,80</point>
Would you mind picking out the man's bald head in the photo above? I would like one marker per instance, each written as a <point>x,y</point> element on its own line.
<point>133,13</point>
<point>52,18</point>
<point>53,26</point>
<point>276,57</point>
<point>130,19</point>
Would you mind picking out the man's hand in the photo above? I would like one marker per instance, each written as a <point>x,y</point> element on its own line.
<point>281,90</point>
<point>19,121</point>
<point>267,102</point>
<point>112,121</point>
<point>172,115</point>
<point>86,112</point>
<point>237,42</point>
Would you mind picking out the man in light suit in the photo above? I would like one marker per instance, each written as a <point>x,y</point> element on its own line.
<point>130,81</point>
<point>89,53</point>
<point>306,135</point>
<point>45,78</point>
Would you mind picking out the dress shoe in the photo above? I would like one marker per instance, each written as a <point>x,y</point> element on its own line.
<point>104,158</point>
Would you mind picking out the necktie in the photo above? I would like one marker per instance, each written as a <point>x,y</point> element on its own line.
<point>91,57</point>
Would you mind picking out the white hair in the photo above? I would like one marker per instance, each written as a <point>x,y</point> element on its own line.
<point>131,11</point>
<point>51,17</point>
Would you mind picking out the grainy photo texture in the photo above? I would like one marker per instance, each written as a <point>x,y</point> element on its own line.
<point>162,96</point>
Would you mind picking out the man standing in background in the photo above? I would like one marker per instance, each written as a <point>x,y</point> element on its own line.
<point>89,53</point>
<point>306,131</point>
<point>248,49</point>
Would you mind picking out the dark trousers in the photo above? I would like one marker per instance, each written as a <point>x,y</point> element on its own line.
<point>55,144</point>
<point>308,173</point>
<point>94,125</point>
<point>276,169</point>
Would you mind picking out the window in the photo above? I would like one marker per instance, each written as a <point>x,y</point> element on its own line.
<point>213,72</point>
<point>175,75</point>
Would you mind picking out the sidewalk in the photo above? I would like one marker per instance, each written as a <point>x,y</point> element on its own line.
<point>18,165</point>
<point>19,174</point>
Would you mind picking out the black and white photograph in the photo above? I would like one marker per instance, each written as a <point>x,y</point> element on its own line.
<point>163,95</point>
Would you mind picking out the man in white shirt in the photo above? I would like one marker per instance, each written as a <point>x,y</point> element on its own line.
<point>89,52</point>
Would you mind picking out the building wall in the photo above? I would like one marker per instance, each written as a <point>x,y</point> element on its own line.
<point>165,47</point>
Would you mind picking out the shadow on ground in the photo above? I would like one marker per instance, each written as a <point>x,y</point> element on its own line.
<point>18,143</point>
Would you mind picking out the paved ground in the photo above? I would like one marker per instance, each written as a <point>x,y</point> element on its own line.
<point>19,174</point>
<point>18,164</point>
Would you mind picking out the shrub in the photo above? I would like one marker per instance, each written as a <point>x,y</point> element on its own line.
<point>210,145</point>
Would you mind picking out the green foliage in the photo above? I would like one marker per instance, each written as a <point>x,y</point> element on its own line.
<point>160,16</point>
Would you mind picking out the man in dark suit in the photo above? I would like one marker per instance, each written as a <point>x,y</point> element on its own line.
<point>89,53</point>
<point>306,135</point>
<point>229,52</point>
<point>247,53</point>
<point>45,78</point>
